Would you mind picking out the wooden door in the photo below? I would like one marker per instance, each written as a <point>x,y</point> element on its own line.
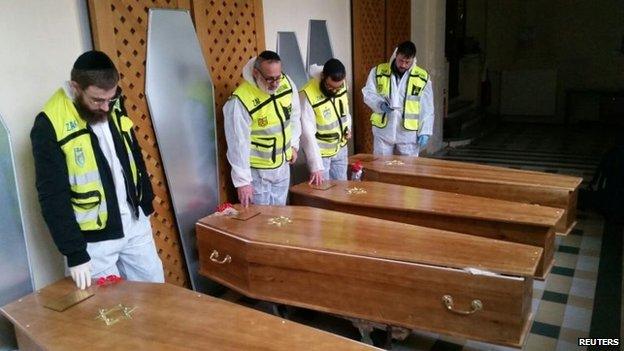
<point>378,26</point>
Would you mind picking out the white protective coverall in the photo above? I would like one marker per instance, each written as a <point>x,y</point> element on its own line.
<point>270,186</point>
<point>385,140</point>
<point>334,167</point>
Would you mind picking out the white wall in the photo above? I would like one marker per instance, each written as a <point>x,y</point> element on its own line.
<point>40,41</point>
<point>428,33</point>
<point>294,16</point>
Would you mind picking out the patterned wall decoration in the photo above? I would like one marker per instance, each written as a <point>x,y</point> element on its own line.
<point>378,26</point>
<point>230,32</point>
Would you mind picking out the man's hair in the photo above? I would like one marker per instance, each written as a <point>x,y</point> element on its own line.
<point>407,49</point>
<point>95,68</point>
<point>334,69</point>
<point>269,56</point>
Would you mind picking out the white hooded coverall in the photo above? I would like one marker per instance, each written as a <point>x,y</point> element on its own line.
<point>270,186</point>
<point>394,135</point>
<point>334,167</point>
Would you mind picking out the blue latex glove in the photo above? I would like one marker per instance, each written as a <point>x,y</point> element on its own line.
<point>384,107</point>
<point>423,140</point>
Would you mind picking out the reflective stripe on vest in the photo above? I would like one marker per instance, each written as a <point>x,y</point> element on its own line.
<point>87,192</point>
<point>124,124</point>
<point>270,123</point>
<point>331,114</point>
<point>416,82</point>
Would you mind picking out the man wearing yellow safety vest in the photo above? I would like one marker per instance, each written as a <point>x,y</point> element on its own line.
<point>94,190</point>
<point>262,129</point>
<point>325,112</point>
<point>400,94</point>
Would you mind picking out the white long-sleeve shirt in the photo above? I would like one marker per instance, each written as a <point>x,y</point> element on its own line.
<point>308,126</point>
<point>394,133</point>
<point>237,125</point>
<point>308,135</point>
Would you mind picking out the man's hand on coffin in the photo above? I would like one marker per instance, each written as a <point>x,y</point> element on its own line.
<point>81,274</point>
<point>245,194</point>
<point>316,178</point>
<point>293,159</point>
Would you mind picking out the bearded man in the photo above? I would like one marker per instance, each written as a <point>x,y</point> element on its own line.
<point>262,129</point>
<point>94,190</point>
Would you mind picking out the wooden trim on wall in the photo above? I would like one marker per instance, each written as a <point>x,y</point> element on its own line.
<point>102,28</point>
<point>259,9</point>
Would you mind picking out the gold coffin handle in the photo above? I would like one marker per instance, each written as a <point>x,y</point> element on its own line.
<point>476,305</point>
<point>214,257</point>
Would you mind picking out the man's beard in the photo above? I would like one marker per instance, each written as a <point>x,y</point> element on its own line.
<point>89,115</point>
<point>396,70</point>
<point>265,87</point>
<point>325,91</point>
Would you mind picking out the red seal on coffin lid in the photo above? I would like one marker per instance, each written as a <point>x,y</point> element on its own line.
<point>108,280</point>
<point>224,206</point>
<point>356,166</point>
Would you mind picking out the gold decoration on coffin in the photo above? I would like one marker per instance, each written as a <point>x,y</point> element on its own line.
<point>113,315</point>
<point>280,221</point>
<point>394,163</point>
<point>355,190</point>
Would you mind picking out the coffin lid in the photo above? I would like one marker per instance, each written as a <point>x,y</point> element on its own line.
<point>167,317</point>
<point>384,196</point>
<point>435,168</point>
<point>331,231</point>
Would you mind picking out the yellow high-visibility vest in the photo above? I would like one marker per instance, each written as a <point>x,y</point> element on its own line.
<point>332,123</point>
<point>414,88</point>
<point>270,123</point>
<point>88,198</point>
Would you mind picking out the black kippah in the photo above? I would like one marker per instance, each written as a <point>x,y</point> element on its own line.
<point>333,67</point>
<point>93,61</point>
<point>269,55</point>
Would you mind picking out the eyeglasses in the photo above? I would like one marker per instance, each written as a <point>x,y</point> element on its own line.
<point>101,102</point>
<point>270,79</point>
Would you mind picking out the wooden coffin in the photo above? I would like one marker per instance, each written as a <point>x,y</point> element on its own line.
<point>491,218</point>
<point>166,317</point>
<point>372,269</point>
<point>545,189</point>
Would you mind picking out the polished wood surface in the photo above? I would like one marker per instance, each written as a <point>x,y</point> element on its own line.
<point>540,188</point>
<point>373,269</point>
<point>319,229</point>
<point>166,318</point>
<point>491,218</point>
